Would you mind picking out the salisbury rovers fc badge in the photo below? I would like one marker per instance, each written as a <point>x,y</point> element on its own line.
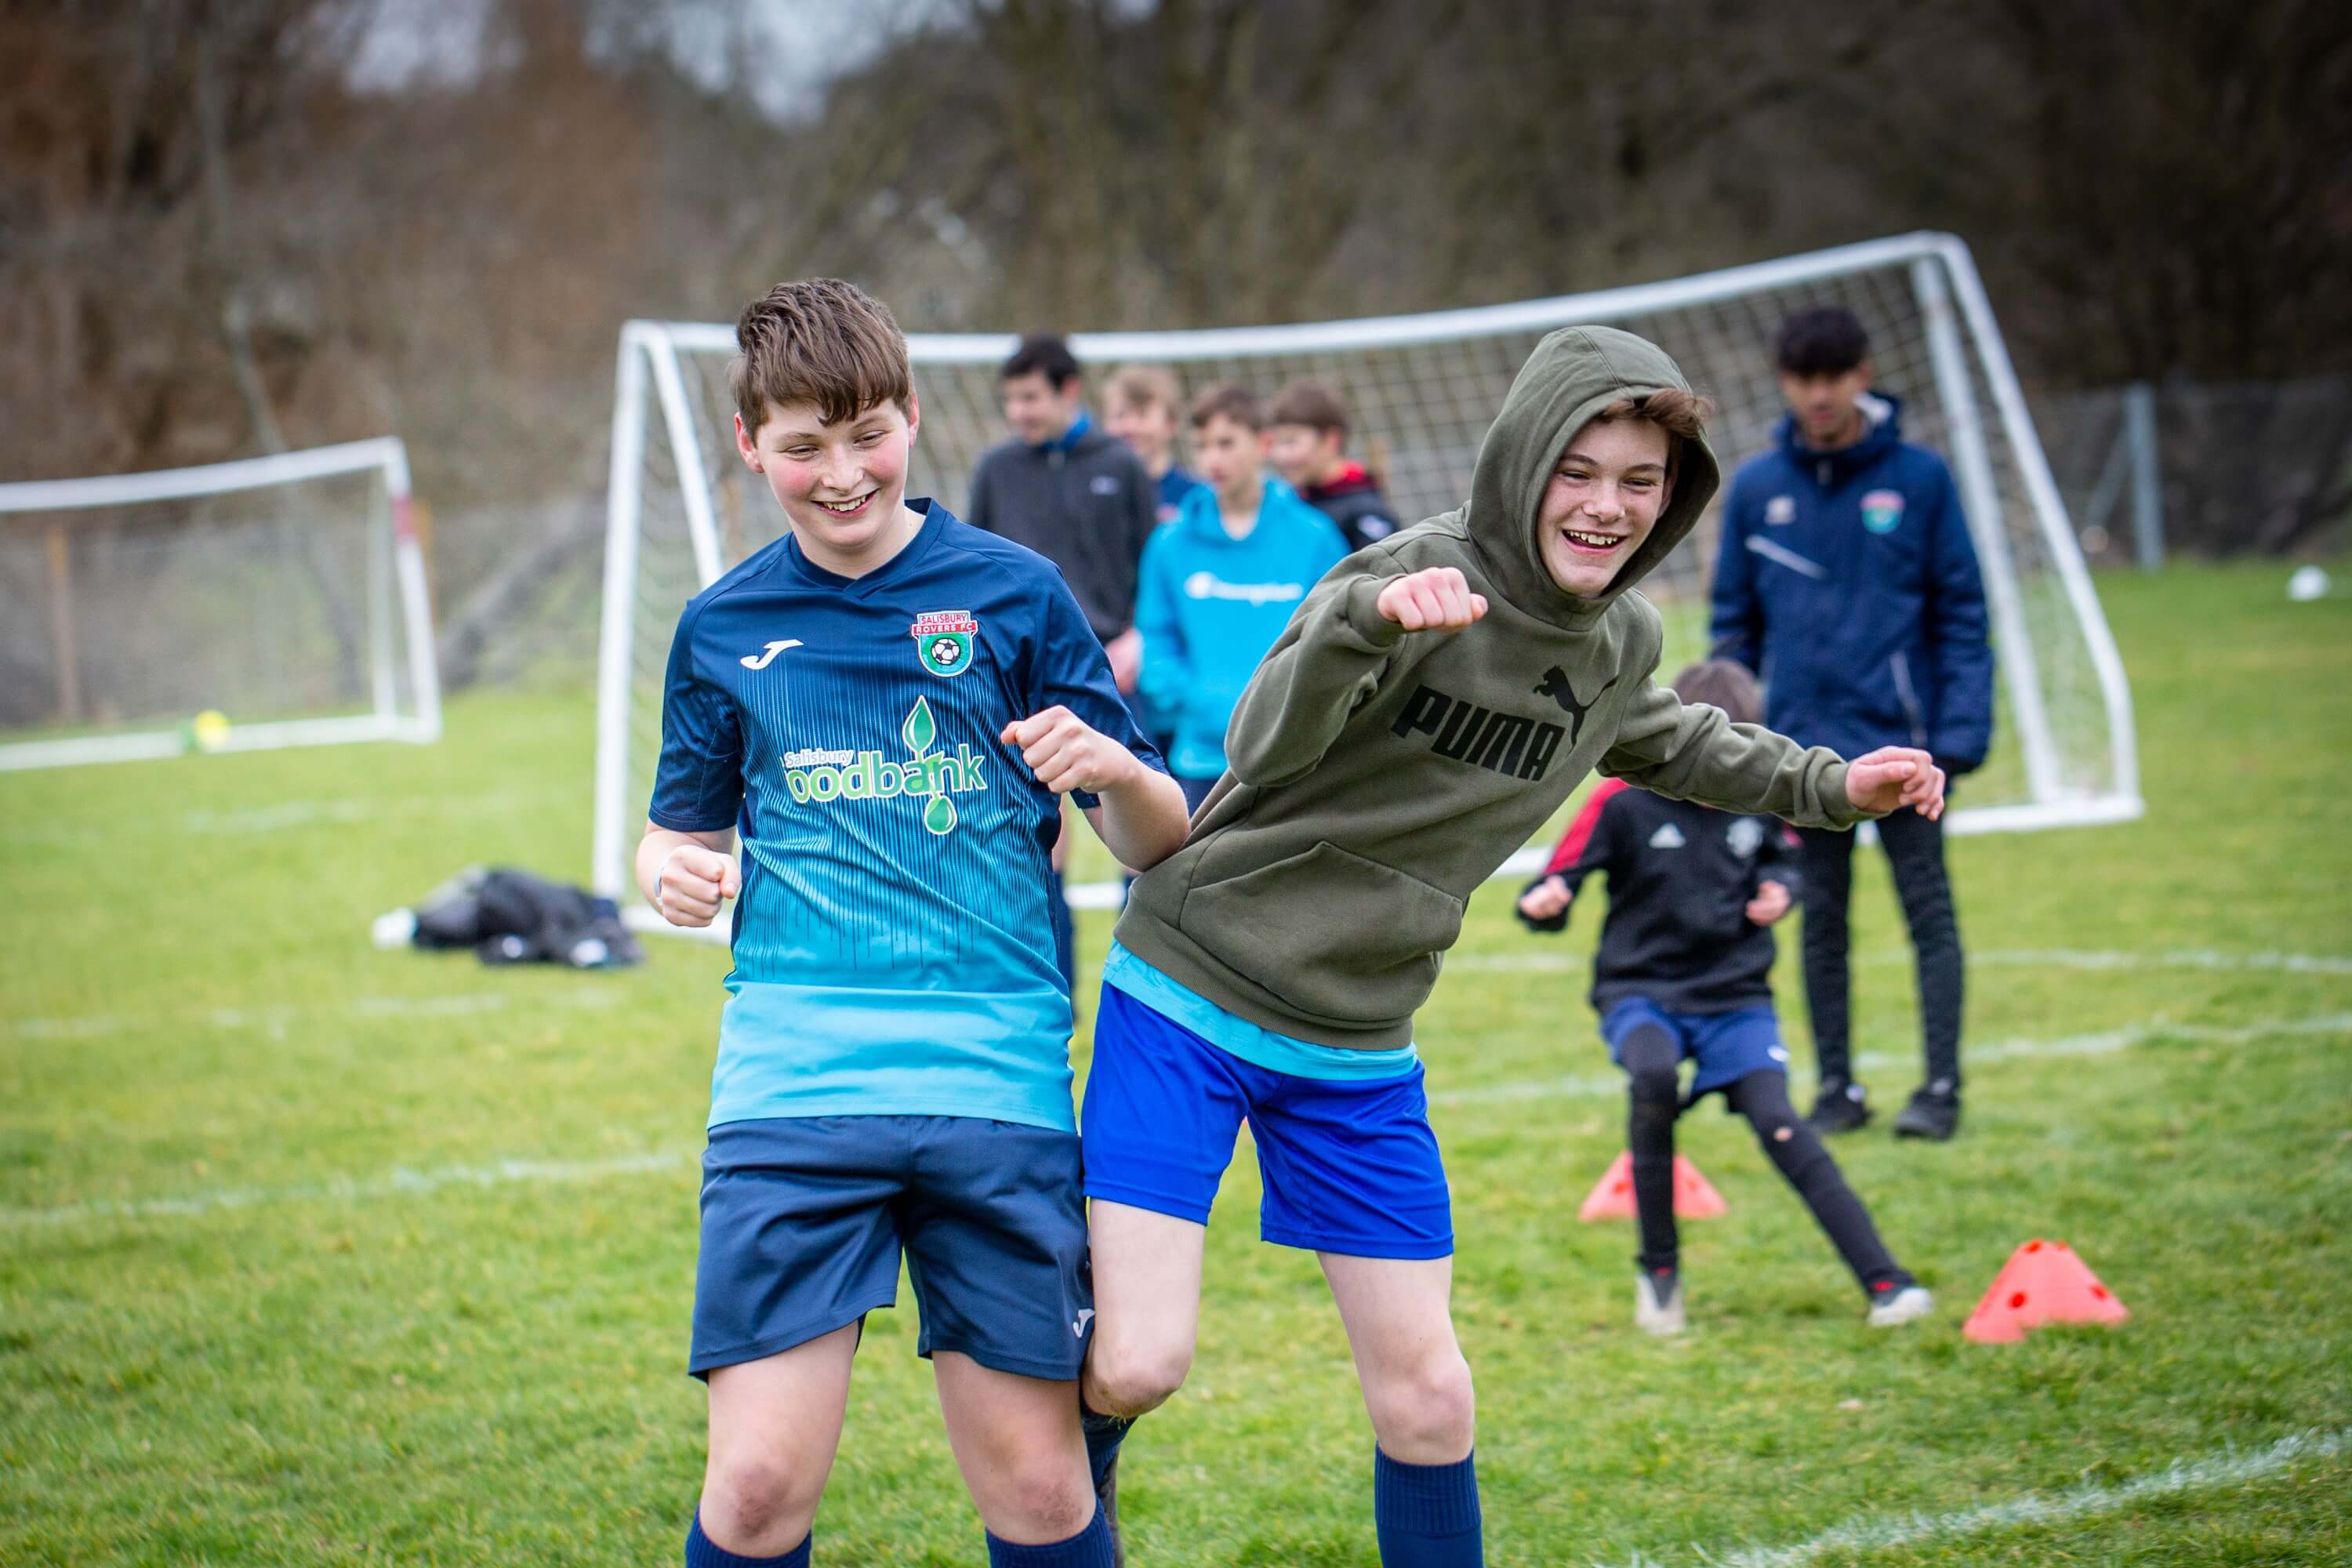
<point>943,640</point>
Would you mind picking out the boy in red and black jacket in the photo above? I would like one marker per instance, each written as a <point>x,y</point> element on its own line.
<point>1683,972</point>
<point>1307,440</point>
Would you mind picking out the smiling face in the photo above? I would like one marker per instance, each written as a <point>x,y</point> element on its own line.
<point>1603,498</point>
<point>1148,427</point>
<point>1038,411</point>
<point>842,485</point>
<point>1302,454</point>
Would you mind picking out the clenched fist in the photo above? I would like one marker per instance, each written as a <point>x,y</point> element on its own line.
<point>1066,752</point>
<point>1435,599</point>
<point>1770,902</point>
<point>693,882</point>
<point>1548,900</point>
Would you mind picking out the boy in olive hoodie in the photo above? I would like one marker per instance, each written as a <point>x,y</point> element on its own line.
<point>1435,699</point>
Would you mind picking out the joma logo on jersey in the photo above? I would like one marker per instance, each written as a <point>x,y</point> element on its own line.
<point>869,775</point>
<point>1462,732</point>
<point>943,640</point>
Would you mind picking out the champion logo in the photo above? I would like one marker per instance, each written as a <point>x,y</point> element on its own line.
<point>1078,1325</point>
<point>767,656</point>
<point>1668,837</point>
<point>1780,509</point>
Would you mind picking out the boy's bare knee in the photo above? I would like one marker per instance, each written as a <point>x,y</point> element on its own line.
<point>756,1507</point>
<point>1427,1414</point>
<point>1047,1500</point>
<point>1127,1378</point>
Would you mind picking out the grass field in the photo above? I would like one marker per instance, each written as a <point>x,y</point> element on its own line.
<point>314,1254</point>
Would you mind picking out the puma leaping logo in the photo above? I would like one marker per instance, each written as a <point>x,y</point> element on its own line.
<point>1556,687</point>
<point>766,656</point>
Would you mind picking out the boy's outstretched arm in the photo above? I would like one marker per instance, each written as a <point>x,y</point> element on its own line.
<point>686,875</point>
<point>1140,815</point>
<point>1329,659</point>
<point>1694,752</point>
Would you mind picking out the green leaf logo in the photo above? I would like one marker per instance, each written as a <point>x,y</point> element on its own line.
<point>919,731</point>
<point>939,816</point>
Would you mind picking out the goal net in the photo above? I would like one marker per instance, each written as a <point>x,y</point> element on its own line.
<point>238,607</point>
<point>1421,391</point>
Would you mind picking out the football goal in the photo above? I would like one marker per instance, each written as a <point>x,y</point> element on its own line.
<point>1421,390</point>
<point>279,601</point>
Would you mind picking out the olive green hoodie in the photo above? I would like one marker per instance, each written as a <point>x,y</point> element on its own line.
<point>1377,776</point>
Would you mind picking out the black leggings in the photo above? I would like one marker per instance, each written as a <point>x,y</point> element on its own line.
<point>1651,1056</point>
<point>1914,853</point>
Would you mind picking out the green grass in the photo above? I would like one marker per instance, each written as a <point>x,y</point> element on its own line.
<point>318,1359</point>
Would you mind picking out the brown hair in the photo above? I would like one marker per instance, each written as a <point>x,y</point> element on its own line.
<point>1683,416</point>
<point>1312,403</point>
<point>1720,683</point>
<point>818,341</point>
<point>1238,404</point>
<point>1144,386</point>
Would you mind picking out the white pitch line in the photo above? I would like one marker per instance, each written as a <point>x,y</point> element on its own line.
<point>2227,1468</point>
<point>2177,958</point>
<point>2102,1043</point>
<point>2007,958</point>
<point>400,1182</point>
<point>278,1016</point>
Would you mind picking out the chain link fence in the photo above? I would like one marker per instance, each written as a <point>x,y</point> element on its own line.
<point>2208,470</point>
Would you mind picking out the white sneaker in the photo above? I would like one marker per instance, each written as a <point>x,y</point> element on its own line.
<point>1910,1303</point>
<point>1658,1302</point>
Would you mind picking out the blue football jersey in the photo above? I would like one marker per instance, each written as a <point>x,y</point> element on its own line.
<point>894,946</point>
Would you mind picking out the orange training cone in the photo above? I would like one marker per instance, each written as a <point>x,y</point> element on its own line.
<point>2042,1282</point>
<point>1613,1197</point>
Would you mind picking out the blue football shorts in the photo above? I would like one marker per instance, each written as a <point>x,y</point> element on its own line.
<point>1348,1166</point>
<point>805,1218</point>
<point>1726,1047</point>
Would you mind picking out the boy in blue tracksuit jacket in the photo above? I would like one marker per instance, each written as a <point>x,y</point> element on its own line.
<point>1847,580</point>
<point>1218,584</point>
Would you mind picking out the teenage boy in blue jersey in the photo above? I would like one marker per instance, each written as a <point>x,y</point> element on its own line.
<point>885,705</point>
<point>1219,584</point>
<point>1846,579</point>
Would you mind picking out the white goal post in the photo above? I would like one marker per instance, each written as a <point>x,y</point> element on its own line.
<point>277,601</point>
<point>1421,390</point>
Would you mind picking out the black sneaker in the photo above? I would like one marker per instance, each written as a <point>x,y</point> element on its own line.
<point>1841,1107</point>
<point>1934,1113</point>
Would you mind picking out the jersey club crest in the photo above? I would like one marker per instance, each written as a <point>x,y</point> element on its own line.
<point>943,640</point>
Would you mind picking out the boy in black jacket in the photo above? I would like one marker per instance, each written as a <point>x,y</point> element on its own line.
<point>1685,971</point>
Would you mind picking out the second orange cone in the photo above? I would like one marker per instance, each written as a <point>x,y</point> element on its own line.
<point>1613,1197</point>
<point>2042,1282</point>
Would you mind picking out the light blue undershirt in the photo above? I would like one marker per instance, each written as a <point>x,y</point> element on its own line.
<point>1253,1043</point>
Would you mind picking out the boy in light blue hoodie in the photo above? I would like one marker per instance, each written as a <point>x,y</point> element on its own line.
<point>1218,584</point>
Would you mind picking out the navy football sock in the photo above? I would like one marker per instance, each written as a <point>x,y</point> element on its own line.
<point>1090,1548</point>
<point>1104,1435</point>
<point>702,1552</point>
<point>1427,1514</point>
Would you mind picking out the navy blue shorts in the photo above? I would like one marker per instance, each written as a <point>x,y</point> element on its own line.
<point>803,1219</point>
<point>1727,1046</point>
<point>1348,1166</point>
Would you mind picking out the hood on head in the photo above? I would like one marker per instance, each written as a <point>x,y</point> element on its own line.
<point>1573,374</point>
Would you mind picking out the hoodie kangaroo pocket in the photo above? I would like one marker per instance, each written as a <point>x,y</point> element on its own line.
<point>1336,936</point>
